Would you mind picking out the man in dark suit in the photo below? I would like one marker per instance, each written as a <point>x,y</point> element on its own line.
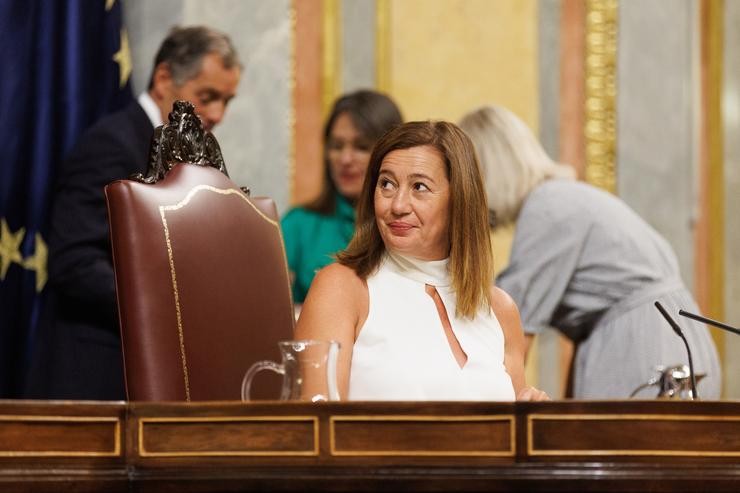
<point>79,350</point>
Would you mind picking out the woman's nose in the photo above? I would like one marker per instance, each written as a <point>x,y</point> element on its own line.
<point>345,157</point>
<point>400,202</point>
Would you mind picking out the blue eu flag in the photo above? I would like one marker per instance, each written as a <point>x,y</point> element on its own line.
<point>65,63</point>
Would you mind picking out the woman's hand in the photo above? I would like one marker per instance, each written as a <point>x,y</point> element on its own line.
<point>532,394</point>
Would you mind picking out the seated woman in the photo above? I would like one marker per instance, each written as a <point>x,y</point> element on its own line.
<point>315,232</point>
<point>412,300</point>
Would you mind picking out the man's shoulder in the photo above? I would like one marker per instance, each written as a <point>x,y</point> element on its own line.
<point>122,136</point>
<point>128,127</point>
<point>127,121</point>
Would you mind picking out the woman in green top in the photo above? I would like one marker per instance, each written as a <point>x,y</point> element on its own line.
<point>316,231</point>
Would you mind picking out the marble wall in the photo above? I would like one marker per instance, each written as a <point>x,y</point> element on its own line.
<point>731,121</point>
<point>358,44</point>
<point>548,46</point>
<point>256,134</point>
<point>448,57</point>
<point>657,112</point>
<point>550,376</point>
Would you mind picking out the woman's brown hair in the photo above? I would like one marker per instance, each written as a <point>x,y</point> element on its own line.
<point>471,257</point>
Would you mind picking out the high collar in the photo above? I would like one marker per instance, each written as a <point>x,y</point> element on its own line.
<point>150,108</point>
<point>432,272</point>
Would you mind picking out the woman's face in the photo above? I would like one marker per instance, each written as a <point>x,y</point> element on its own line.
<point>349,154</point>
<point>412,203</point>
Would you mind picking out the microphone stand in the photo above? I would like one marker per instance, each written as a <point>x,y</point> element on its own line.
<point>679,332</point>
<point>719,325</point>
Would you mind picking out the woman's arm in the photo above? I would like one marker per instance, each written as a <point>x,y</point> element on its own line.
<point>335,309</point>
<point>515,344</point>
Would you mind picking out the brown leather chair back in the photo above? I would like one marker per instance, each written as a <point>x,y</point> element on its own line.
<point>202,285</point>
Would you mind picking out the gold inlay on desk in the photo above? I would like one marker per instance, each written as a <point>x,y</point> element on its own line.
<point>163,210</point>
<point>409,435</point>
<point>632,435</point>
<point>225,436</point>
<point>41,436</point>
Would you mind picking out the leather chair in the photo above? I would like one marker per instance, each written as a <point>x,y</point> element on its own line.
<point>202,284</point>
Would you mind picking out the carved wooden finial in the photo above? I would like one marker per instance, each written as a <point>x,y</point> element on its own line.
<point>181,140</point>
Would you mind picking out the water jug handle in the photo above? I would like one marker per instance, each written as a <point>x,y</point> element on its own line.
<point>253,370</point>
<point>331,369</point>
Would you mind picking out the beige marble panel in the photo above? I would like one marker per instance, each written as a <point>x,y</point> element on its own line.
<point>448,56</point>
<point>358,40</point>
<point>657,111</point>
<point>549,373</point>
<point>548,45</point>
<point>256,134</point>
<point>731,120</point>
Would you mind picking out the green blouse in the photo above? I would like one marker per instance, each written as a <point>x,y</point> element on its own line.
<point>312,239</point>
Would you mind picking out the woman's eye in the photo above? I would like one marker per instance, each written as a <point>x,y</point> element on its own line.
<point>207,97</point>
<point>420,187</point>
<point>385,184</point>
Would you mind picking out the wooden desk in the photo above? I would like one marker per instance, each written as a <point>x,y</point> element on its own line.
<point>225,446</point>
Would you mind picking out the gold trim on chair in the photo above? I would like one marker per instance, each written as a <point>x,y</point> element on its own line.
<point>163,209</point>
<point>222,191</point>
<point>510,452</point>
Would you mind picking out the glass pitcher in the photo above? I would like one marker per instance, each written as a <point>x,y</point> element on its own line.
<point>309,370</point>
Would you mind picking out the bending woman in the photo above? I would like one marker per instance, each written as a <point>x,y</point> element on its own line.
<point>585,263</point>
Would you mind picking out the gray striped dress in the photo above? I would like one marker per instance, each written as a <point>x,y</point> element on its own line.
<point>583,262</point>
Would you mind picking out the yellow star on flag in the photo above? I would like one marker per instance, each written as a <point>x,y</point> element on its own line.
<point>123,58</point>
<point>37,262</point>
<point>10,247</point>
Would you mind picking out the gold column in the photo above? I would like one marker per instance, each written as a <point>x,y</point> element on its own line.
<point>710,232</point>
<point>382,45</point>
<point>600,111</point>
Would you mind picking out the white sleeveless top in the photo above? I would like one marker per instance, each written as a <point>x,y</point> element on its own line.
<point>402,352</point>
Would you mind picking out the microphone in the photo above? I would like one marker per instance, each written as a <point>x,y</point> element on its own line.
<point>719,325</point>
<point>679,332</point>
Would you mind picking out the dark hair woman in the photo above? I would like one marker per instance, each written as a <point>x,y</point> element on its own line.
<point>315,232</point>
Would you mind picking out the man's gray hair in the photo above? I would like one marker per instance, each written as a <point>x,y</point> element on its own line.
<point>184,48</point>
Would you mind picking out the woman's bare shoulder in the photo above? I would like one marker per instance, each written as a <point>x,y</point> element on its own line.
<point>337,283</point>
<point>335,306</point>
<point>501,302</point>
<point>337,276</point>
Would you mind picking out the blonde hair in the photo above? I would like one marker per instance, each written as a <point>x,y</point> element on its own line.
<point>513,161</point>
<point>471,257</point>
